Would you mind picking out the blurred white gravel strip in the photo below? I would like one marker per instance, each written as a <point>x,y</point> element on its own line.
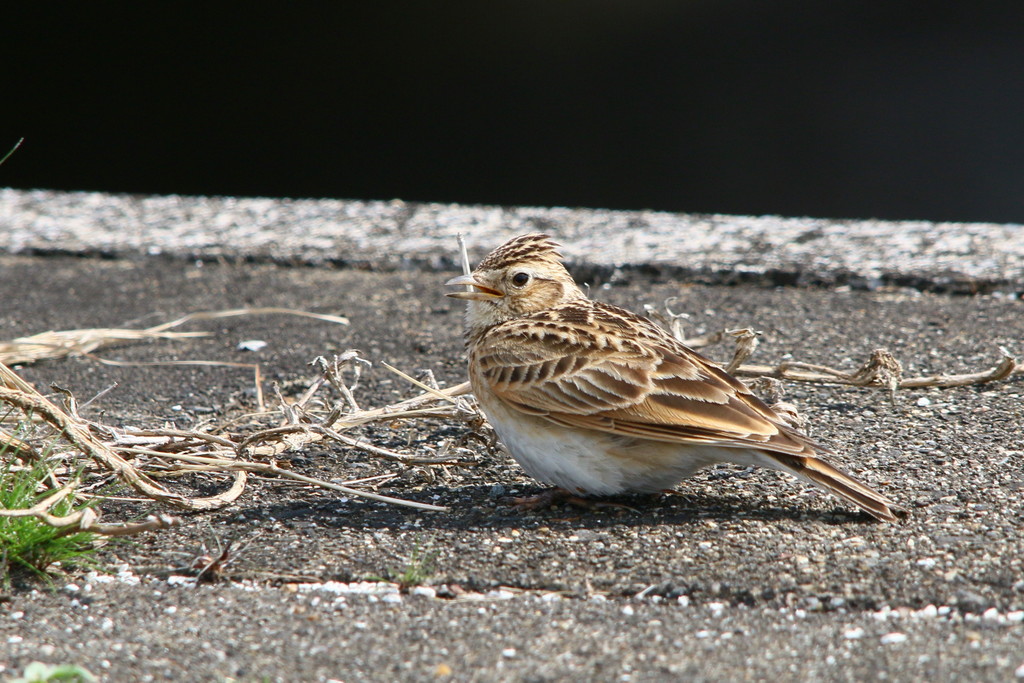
<point>400,234</point>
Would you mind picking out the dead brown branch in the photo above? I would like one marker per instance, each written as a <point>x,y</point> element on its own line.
<point>86,518</point>
<point>746,343</point>
<point>58,344</point>
<point>144,459</point>
<point>880,370</point>
<point>51,345</point>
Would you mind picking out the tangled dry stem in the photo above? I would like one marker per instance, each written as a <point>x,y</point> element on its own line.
<point>882,369</point>
<point>137,458</point>
<point>58,344</point>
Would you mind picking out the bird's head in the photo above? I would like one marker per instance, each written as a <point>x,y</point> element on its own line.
<point>523,276</point>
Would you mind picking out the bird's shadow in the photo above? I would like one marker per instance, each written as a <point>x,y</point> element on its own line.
<point>475,508</point>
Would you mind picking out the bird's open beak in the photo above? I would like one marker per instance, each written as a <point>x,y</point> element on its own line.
<point>478,293</point>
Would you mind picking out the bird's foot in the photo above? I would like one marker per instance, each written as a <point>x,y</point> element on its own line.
<point>559,496</point>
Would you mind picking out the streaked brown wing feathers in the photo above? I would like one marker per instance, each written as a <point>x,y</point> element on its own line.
<point>650,388</point>
<point>733,417</point>
<point>571,387</point>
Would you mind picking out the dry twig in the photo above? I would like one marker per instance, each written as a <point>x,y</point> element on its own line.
<point>58,344</point>
<point>141,457</point>
<point>881,370</point>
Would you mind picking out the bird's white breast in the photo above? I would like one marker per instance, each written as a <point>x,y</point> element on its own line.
<point>591,462</point>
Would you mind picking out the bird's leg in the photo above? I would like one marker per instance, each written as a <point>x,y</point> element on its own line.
<point>544,499</point>
<point>558,496</point>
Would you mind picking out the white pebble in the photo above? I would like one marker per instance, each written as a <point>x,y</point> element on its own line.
<point>177,580</point>
<point>628,610</point>
<point>893,638</point>
<point>924,401</point>
<point>1019,673</point>
<point>853,633</point>
<point>252,345</point>
<point>425,591</point>
<point>508,652</point>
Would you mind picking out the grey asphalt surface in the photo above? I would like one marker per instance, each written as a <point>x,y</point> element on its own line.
<point>745,575</point>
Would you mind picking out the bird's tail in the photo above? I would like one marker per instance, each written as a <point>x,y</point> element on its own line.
<point>820,473</point>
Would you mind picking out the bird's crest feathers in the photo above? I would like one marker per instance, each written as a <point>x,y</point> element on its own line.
<point>532,248</point>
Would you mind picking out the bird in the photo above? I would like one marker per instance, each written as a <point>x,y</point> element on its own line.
<point>599,401</point>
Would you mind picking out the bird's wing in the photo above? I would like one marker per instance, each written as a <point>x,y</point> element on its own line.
<point>648,385</point>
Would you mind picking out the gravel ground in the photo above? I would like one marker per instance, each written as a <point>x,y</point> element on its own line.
<point>745,575</point>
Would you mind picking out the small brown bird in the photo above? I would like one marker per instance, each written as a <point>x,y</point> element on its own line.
<point>596,400</point>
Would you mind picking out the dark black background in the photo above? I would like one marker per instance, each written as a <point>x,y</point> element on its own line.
<point>825,108</point>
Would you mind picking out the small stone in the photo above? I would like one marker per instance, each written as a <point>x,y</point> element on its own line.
<point>893,638</point>
<point>252,345</point>
<point>969,601</point>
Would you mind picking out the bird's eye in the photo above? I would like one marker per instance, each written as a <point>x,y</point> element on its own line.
<point>520,279</point>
